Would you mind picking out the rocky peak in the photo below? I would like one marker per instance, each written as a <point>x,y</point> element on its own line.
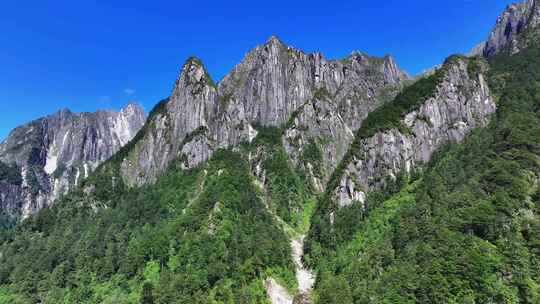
<point>54,153</point>
<point>272,82</point>
<point>460,102</point>
<point>508,35</point>
<point>191,107</point>
<point>193,99</point>
<point>132,109</point>
<point>384,65</point>
<point>193,72</point>
<point>274,40</point>
<point>63,112</point>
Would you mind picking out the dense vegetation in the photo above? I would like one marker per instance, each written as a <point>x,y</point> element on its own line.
<point>464,229</point>
<point>10,174</point>
<point>199,236</point>
<point>469,230</point>
<point>207,235</point>
<point>388,116</point>
<point>286,187</point>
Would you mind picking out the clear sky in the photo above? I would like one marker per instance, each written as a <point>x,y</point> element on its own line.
<point>87,55</point>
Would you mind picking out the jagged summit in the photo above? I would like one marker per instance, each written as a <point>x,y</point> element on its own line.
<point>63,111</point>
<point>134,109</point>
<point>296,179</point>
<point>193,71</point>
<point>514,28</point>
<point>132,105</point>
<point>54,153</point>
<point>273,39</point>
<point>270,83</point>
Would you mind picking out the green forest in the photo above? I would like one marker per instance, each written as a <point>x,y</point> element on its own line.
<point>197,236</point>
<point>464,228</point>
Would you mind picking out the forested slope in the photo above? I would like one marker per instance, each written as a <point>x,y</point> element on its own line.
<point>468,231</point>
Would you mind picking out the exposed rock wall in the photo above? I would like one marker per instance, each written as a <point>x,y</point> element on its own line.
<point>318,125</point>
<point>460,104</point>
<point>56,152</point>
<point>507,35</point>
<point>266,88</point>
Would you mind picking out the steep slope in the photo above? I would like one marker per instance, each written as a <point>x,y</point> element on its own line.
<point>193,236</point>
<point>398,138</point>
<point>515,29</point>
<point>463,229</point>
<point>467,230</point>
<point>316,139</point>
<point>47,157</point>
<point>210,202</point>
<point>271,84</point>
<point>460,102</point>
<point>204,203</point>
<point>274,80</point>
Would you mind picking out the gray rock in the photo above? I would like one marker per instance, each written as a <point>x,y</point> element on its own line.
<point>459,105</point>
<point>56,152</point>
<point>477,50</point>
<point>273,80</point>
<point>270,84</point>
<point>319,123</point>
<point>517,19</point>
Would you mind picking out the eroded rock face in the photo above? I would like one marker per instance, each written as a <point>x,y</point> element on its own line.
<point>460,104</point>
<point>318,125</point>
<point>188,127</point>
<point>270,84</point>
<point>506,36</point>
<point>55,153</point>
<point>273,80</point>
<point>190,107</point>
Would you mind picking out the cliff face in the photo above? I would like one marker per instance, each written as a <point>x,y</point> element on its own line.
<point>513,30</point>
<point>461,102</point>
<point>346,126</point>
<point>270,85</point>
<point>47,157</point>
<point>274,80</point>
<point>317,138</point>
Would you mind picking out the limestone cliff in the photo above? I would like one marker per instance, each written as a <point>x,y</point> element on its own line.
<point>460,103</point>
<point>48,156</point>
<point>272,84</point>
<point>514,29</point>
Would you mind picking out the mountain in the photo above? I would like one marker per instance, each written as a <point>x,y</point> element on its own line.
<point>299,179</point>
<point>515,29</point>
<point>49,156</point>
<point>270,86</point>
<point>461,228</point>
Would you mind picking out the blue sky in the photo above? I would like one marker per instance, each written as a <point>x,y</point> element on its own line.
<point>87,55</point>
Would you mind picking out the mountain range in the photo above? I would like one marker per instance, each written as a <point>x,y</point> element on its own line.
<point>294,179</point>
